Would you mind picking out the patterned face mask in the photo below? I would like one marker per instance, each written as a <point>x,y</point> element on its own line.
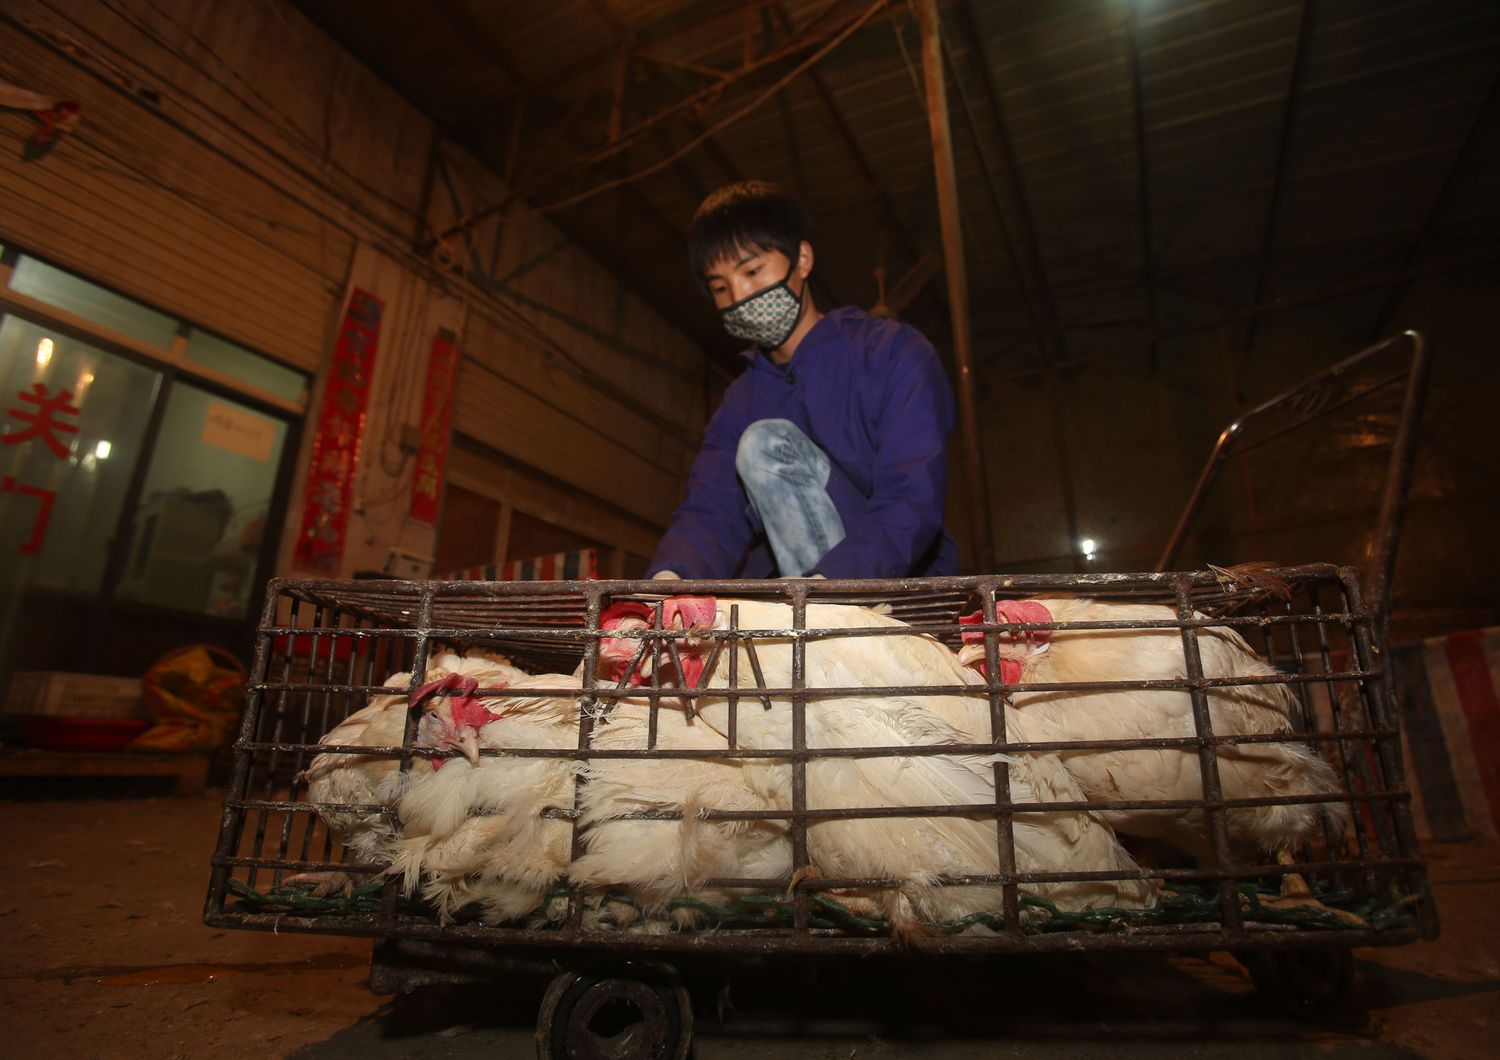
<point>767,317</point>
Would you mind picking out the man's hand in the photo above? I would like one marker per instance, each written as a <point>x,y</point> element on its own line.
<point>666,576</point>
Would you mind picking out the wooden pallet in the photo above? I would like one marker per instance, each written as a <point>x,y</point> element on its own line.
<point>189,771</point>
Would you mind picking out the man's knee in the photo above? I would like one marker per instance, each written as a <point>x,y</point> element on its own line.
<point>764,445</point>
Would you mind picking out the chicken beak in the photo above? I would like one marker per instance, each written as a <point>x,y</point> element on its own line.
<point>972,655</point>
<point>468,743</point>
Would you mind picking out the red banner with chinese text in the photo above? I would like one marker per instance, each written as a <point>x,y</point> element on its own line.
<point>437,418</point>
<point>339,432</point>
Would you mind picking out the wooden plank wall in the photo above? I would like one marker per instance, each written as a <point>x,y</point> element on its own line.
<point>238,196</point>
<point>627,380</point>
<point>139,199</point>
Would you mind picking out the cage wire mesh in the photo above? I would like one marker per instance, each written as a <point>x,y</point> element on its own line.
<point>781,686</point>
<point>1349,430</point>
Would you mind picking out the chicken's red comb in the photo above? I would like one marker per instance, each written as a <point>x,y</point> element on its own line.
<point>615,613</point>
<point>471,712</point>
<point>689,612</point>
<point>444,684</point>
<point>615,653</point>
<point>464,708</point>
<point>1026,611</point>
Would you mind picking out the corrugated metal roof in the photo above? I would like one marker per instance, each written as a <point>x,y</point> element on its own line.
<point>1388,99</point>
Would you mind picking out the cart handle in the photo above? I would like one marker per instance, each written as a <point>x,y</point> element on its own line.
<point>1380,561</point>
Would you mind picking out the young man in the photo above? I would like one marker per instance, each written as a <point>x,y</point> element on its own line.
<point>827,456</point>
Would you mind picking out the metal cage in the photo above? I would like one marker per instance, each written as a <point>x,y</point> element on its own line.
<point>325,646</point>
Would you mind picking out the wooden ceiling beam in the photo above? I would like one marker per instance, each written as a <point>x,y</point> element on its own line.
<point>562,129</point>
<point>1016,218</point>
<point>480,39</point>
<point>1012,201</point>
<point>825,290</point>
<point>867,172</point>
<point>734,174</point>
<point>808,48</point>
<point>618,26</point>
<point>851,144</point>
<point>997,199</point>
<point>659,134</point>
<point>788,126</point>
<point>691,185</point>
<point>565,128</point>
<point>905,290</point>
<point>1143,181</point>
<point>1482,259</point>
<point>1279,172</point>
<point>1388,306</point>
<point>685,18</point>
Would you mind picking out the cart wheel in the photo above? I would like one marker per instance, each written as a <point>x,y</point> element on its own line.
<point>627,1012</point>
<point>1312,983</point>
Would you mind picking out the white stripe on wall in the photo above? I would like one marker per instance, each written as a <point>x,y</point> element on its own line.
<point>1456,736</point>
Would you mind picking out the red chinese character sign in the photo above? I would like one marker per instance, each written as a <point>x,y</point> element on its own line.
<point>44,500</point>
<point>336,443</point>
<point>437,417</point>
<point>42,422</point>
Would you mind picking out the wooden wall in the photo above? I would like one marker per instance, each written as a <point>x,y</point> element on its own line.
<point>232,161</point>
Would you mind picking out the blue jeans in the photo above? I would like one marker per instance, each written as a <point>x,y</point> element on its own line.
<point>786,476</point>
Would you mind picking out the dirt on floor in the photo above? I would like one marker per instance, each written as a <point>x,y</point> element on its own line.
<point>100,919</point>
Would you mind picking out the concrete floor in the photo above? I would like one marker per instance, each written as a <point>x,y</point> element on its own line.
<point>107,956</point>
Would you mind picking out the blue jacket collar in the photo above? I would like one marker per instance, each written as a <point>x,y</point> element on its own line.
<point>816,337</point>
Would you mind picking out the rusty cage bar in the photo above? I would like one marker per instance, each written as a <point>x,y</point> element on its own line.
<point>323,647</point>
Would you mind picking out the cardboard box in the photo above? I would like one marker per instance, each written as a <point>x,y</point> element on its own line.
<point>61,694</point>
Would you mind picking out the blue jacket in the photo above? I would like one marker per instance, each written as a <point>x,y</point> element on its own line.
<point>873,395</point>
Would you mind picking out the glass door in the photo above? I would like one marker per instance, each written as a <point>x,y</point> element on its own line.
<point>76,420</point>
<point>138,508</point>
<point>197,530</point>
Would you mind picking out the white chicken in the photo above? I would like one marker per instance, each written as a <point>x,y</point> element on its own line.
<point>473,829</point>
<point>1245,770</point>
<point>361,779</point>
<point>916,851</point>
<point>657,861</point>
<point>654,861</point>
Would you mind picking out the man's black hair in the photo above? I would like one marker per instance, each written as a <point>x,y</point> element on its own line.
<point>752,215</point>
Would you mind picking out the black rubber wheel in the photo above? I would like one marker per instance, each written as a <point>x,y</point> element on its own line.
<point>626,1012</point>
<point>1315,982</point>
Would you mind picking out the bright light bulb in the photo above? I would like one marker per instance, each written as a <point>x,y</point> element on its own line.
<point>43,352</point>
<point>102,449</point>
<point>1088,545</point>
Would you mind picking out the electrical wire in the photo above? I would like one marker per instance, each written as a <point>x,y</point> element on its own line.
<point>629,138</point>
<point>724,123</point>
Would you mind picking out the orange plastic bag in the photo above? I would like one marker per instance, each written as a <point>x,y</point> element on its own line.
<point>194,695</point>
